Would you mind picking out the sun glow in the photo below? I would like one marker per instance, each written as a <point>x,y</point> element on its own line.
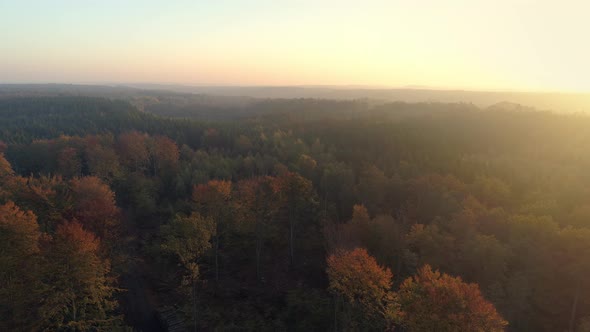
<point>522,45</point>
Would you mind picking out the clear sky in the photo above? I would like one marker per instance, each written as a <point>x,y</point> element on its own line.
<point>469,44</point>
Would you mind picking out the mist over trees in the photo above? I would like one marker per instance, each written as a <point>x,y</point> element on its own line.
<point>292,215</point>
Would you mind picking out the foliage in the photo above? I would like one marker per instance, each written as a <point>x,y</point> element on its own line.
<point>80,296</point>
<point>431,301</point>
<point>360,281</point>
<point>19,289</point>
<point>187,238</point>
<point>495,197</point>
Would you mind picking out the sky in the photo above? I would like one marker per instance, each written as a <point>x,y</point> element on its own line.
<point>541,45</point>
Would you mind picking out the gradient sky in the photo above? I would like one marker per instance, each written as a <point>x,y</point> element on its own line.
<point>469,44</point>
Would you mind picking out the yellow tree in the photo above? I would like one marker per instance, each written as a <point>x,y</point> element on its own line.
<point>19,248</point>
<point>80,291</point>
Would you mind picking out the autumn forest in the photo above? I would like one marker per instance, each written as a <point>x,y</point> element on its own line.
<point>155,211</point>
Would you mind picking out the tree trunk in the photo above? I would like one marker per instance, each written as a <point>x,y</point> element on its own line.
<point>74,310</point>
<point>194,305</point>
<point>398,265</point>
<point>258,250</point>
<point>336,313</point>
<point>291,231</point>
<point>292,216</point>
<point>574,308</point>
<point>217,257</point>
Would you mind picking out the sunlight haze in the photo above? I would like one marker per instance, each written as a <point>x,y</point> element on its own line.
<point>494,45</point>
<point>295,165</point>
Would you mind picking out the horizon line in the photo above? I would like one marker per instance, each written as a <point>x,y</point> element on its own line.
<point>308,86</point>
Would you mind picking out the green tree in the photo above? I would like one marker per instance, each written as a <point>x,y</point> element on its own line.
<point>187,238</point>
<point>213,199</point>
<point>298,202</point>
<point>256,207</point>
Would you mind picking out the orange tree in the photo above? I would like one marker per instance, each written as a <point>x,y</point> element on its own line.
<point>364,287</point>
<point>431,301</point>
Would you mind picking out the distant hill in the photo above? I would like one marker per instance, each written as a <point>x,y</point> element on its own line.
<point>560,102</point>
<point>178,99</point>
<point>32,118</point>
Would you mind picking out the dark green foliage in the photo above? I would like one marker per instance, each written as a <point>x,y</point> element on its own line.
<point>28,119</point>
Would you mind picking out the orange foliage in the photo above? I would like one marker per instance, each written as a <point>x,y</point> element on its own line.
<point>357,277</point>
<point>212,198</point>
<point>252,192</point>
<point>19,280</point>
<point>246,192</point>
<point>431,301</point>
<point>360,214</point>
<point>293,184</point>
<point>81,293</point>
<point>211,192</point>
<point>43,195</point>
<point>163,152</point>
<point>95,205</point>
<point>19,230</point>
<point>80,240</point>
<point>5,168</point>
<point>6,177</point>
<point>68,162</point>
<point>133,149</point>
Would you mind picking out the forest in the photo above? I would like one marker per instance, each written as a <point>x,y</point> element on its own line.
<point>129,214</point>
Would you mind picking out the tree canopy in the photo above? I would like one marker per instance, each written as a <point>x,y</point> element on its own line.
<point>291,215</point>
